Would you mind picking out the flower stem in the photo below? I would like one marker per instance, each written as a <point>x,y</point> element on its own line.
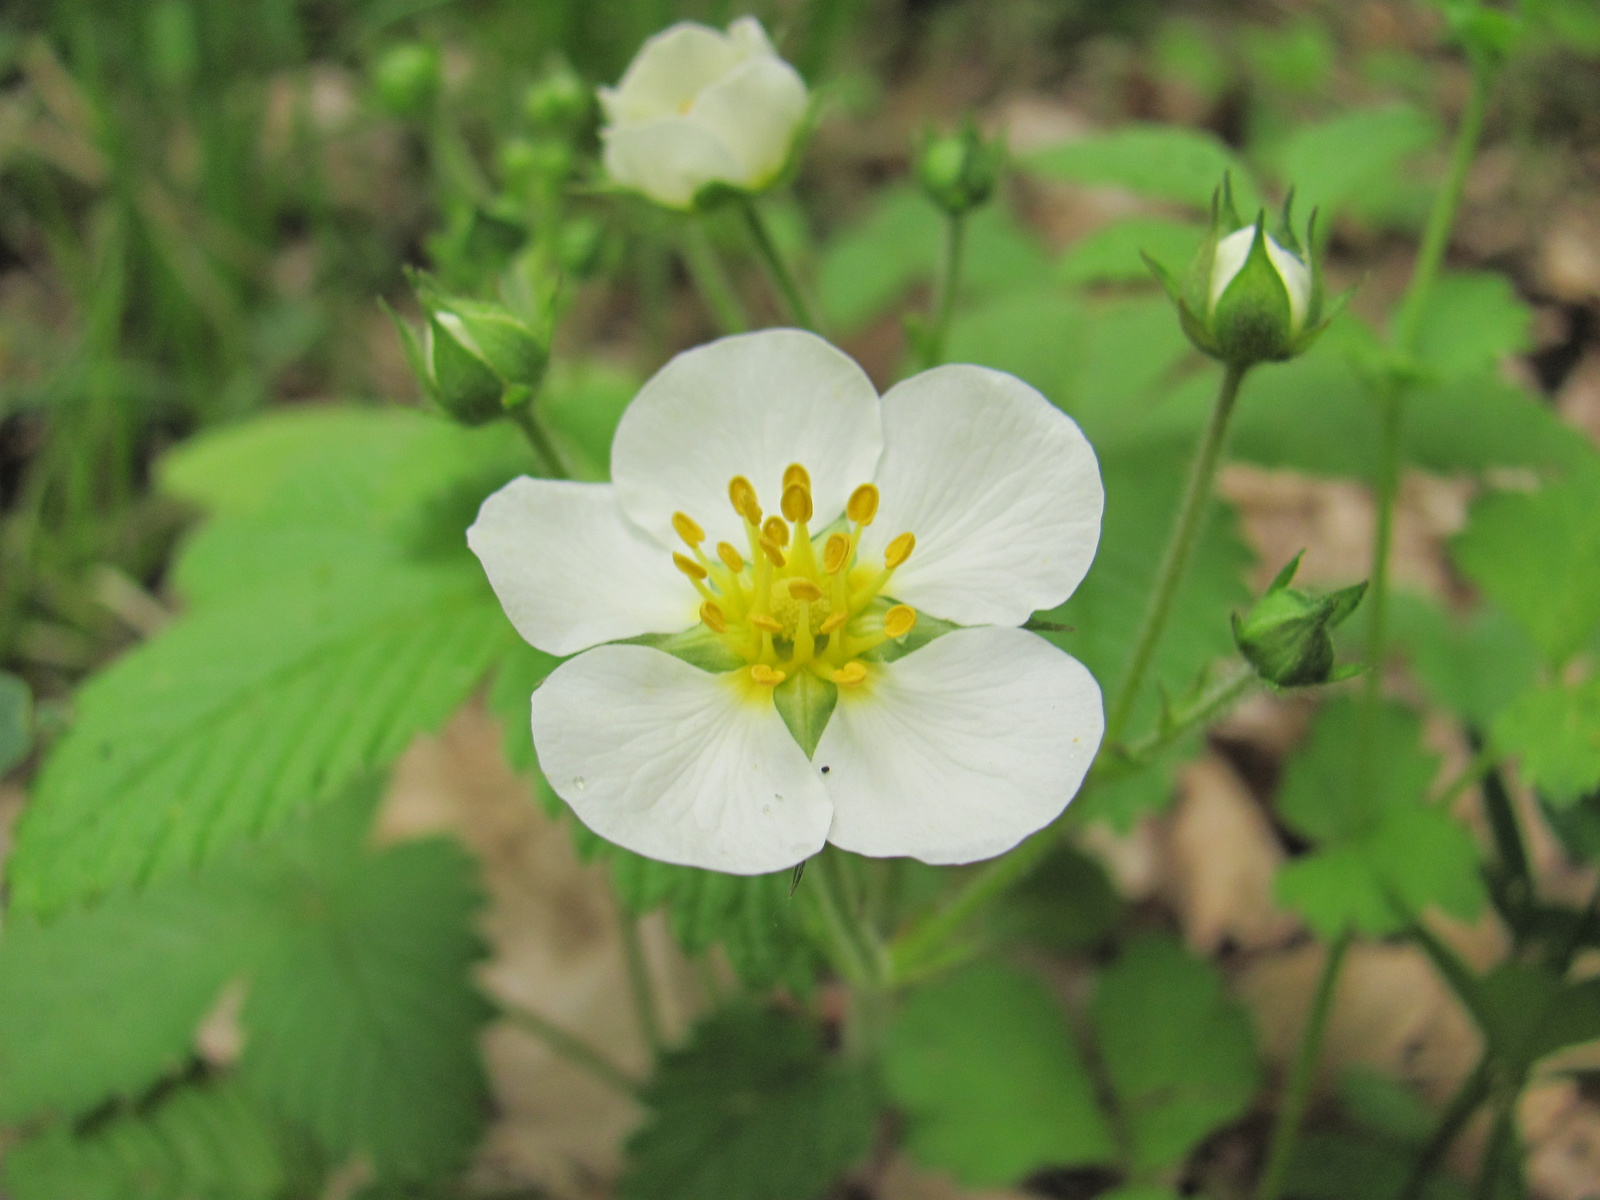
<point>776,267</point>
<point>1474,1090</point>
<point>848,956</point>
<point>1301,1075</point>
<point>1502,1143</point>
<point>712,282</point>
<point>572,1048</point>
<point>644,994</point>
<point>1191,514</point>
<point>1209,705</point>
<point>528,421</point>
<point>955,226</point>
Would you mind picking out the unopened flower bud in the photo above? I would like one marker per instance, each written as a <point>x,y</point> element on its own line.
<point>407,79</point>
<point>1287,636</point>
<point>958,171</point>
<point>559,99</point>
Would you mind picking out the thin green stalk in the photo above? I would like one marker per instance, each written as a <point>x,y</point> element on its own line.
<point>712,282</point>
<point>1502,1143</point>
<point>782,277</point>
<point>644,993</point>
<point>1211,704</point>
<point>1301,1075</point>
<point>850,959</point>
<point>1476,766</point>
<point>528,421</point>
<point>1474,1090</point>
<point>572,1048</point>
<point>949,284</point>
<point>1190,520</point>
<point>1391,400</point>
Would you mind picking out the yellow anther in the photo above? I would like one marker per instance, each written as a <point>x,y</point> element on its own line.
<point>898,621</point>
<point>836,553</point>
<point>688,566</point>
<point>730,557</point>
<point>863,504</point>
<point>714,617</point>
<point>899,550</point>
<point>804,589</point>
<point>743,494</point>
<point>773,551</point>
<point>767,676</point>
<point>687,529</point>
<point>836,621</point>
<point>797,503</point>
<point>794,475</point>
<point>776,532</point>
<point>850,674</point>
<point>763,621</point>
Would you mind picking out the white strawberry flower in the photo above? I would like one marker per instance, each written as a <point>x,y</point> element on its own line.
<point>962,493</point>
<point>698,106</point>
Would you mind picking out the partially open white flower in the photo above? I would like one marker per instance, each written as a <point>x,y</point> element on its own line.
<point>697,106</point>
<point>962,493</point>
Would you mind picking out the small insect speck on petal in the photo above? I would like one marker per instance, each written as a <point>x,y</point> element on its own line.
<point>825,770</point>
<point>579,783</point>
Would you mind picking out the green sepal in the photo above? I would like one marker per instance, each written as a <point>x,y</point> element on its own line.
<point>464,385</point>
<point>411,347</point>
<point>1286,576</point>
<point>958,171</point>
<point>1286,636</point>
<point>1284,233</point>
<point>512,350</point>
<point>805,703</point>
<point>698,647</point>
<point>1250,323</point>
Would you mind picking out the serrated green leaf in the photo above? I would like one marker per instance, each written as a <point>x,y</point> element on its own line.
<point>1335,890</point>
<point>750,1109</point>
<point>1164,162</point>
<point>1472,320</point>
<point>1472,666</point>
<point>104,1002</point>
<point>510,698</point>
<point>1554,732</point>
<point>991,1082</point>
<point>1329,164</point>
<point>1112,254</point>
<point>1180,1053</point>
<point>205,1141</point>
<point>16,720</point>
<point>234,719</point>
<point>362,1020</point>
<point>1537,555</point>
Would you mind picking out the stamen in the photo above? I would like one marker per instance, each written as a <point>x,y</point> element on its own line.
<point>767,676</point>
<point>850,674</point>
<point>772,550</point>
<point>796,475</point>
<point>714,617</point>
<point>836,553</point>
<point>687,529</point>
<point>776,531</point>
<point>763,621</point>
<point>743,494</point>
<point>689,567</point>
<point>899,550</point>
<point>834,622</point>
<point>863,505</point>
<point>797,503</point>
<point>804,589</point>
<point>730,557</point>
<point>898,621</point>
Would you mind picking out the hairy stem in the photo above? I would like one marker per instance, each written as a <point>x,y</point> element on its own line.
<point>1191,519</point>
<point>782,277</point>
<point>572,1048</point>
<point>644,993</point>
<point>1286,1133</point>
<point>1210,704</point>
<point>711,281</point>
<point>528,421</point>
<point>949,283</point>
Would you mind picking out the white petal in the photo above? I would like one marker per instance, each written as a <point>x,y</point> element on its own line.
<point>1229,260</point>
<point>670,69</point>
<point>677,764</point>
<point>749,36</point>
<point>1233,250</point>
<point>1001,489</point>
<point>961,749</point>
<point>755,111</point>
<point>571,572</point>
<point>745,405</point>
<point>669,160</point>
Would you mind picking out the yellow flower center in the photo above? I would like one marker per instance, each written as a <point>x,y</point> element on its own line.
<point>791,601</point>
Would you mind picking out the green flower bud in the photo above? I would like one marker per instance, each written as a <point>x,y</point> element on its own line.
<point>559,99</point>
<point>1287,636</point>
<point>529,162</point>
<point>407,79</point>
<point>959,170</point>
<point>1251,296</point>
<point>476,361</point>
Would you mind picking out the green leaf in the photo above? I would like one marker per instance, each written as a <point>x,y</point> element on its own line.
<point>206,1141</point>
<point>751,1109</point>
<point>362,1020</point>
<point>1555,733</point>
<point>1331,163</point>
<point>991,1082</point>
<point>104,1002</point>
<point>1537,555</point>
<point>1112,254</point>
<point>1472,666</point>
<point>233,719</point>
<point>1034,333</point>
<point>510,699</point>
<point>1472,320</point>
<point>1180,1053</point>
<point>1528,1012</point>
<point>1164,162</point>
<point>1067,904</point>
<point>16,720</point>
